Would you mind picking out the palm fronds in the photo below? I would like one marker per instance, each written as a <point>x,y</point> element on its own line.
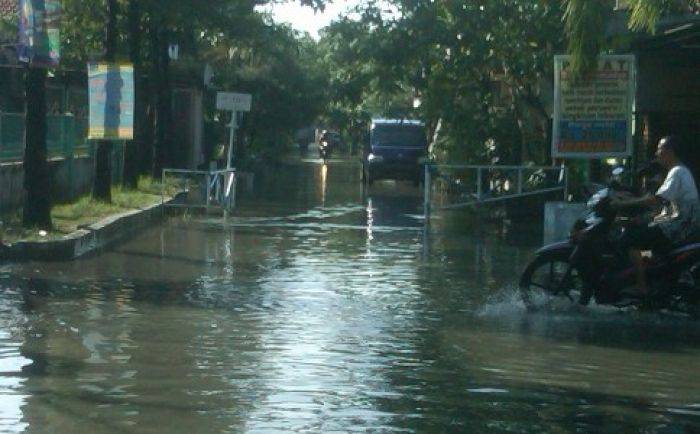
<point>585,22</point>
<point>644,14</point>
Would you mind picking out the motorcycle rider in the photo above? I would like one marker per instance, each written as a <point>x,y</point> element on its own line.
<point>679,217</point>
<point>326,137</point>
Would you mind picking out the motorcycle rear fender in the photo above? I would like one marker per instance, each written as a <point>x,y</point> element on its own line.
<point>685,254</point>
<point>564,248</point>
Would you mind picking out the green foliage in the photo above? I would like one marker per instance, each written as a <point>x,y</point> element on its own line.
<point>586,21</point>
<point>476,68</point>
<point>645,14</point>
<point>82,32</point>
<point>278,68</point>
<point>247,52</point>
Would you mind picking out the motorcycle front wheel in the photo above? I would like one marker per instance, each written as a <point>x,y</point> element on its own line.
<point>548,280</point>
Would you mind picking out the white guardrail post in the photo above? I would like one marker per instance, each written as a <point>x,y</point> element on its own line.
<point>561,184</point>
<point>427,188</point>
<point>520,180</point>
<point>208,192</point>
<point>234,182</point>
<point>479,187</point>
<point>219,188</point>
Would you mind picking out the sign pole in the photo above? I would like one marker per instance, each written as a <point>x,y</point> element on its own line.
<point>232,130</point>
<point>233,102</point>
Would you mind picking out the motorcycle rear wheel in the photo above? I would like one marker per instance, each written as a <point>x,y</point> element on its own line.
<point>545,282</point>
<point>686,294</point>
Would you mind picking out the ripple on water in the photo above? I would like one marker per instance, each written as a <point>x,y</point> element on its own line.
<point>329,320</point>
<point>12,391</point>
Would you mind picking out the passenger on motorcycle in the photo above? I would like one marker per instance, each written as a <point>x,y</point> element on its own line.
<point>680,211</point>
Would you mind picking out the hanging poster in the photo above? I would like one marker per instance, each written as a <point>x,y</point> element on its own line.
<point>111,93</point>
<point>39,42</point>
<point>593,117</point>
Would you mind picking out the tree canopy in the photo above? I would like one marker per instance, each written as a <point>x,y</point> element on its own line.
<point>478,73</point>
<point>473,71</point>
<point>587,19</point>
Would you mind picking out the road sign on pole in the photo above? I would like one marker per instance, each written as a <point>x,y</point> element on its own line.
<point>233,102</point>
<point>232,126</point>
<point>238,102</point>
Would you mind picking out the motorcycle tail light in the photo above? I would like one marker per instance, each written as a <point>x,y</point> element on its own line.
<point>682,257</point>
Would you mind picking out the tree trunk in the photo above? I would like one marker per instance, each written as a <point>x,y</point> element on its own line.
<point>37,206</point>
<point>158,140</point>
<point>146,152</point>
<point>132,149</point>
<point>102,187</point>
<point>161,86</point>
<point>102,190</point>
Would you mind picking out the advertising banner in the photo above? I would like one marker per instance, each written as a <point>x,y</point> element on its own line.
<point>39,42</point>
<point>111,94</point>
<point>593,117</point>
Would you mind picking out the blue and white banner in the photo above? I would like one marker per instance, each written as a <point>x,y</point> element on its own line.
<point>111,92</point>
<point>39,42</point>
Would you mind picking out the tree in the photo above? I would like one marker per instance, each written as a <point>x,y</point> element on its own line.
<point>160,88</point>
<point>102,186</point>
<point>247,52</point>
<point>134,148</point>
<point>585,20</point>
<point>477,69</point>
<point>37,184</point>
<point>37,205</point>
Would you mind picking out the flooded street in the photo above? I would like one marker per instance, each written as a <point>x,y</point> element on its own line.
<point>323,308</point>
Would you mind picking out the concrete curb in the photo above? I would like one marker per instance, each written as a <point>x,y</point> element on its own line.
<point>87,239</point>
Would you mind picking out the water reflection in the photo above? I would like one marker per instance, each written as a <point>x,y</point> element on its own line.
<point>13,396</point>
<point>320,311</point>
<point>324,183</point>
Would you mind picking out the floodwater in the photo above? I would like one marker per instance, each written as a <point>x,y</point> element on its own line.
<point>320,308</point>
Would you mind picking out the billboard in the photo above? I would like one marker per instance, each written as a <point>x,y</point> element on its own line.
<point>111,94</point>
<point>39,42</point>
<point>593,117</point>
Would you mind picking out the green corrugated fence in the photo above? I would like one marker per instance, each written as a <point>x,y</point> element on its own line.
<point>65,136</point>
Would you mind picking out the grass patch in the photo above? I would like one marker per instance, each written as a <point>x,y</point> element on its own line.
<point>68,218</point>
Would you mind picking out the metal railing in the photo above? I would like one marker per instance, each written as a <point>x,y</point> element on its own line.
<point>202,189</point>
<point>459,186</point>
<point>65,136</point>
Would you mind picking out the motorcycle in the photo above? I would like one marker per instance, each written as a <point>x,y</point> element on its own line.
<point>590,265</point>
<point>324,150</point>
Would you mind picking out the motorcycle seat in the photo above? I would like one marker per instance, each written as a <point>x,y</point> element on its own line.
<point>692,239</point>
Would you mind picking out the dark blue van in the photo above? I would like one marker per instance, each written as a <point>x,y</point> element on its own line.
<point>397,150</point>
